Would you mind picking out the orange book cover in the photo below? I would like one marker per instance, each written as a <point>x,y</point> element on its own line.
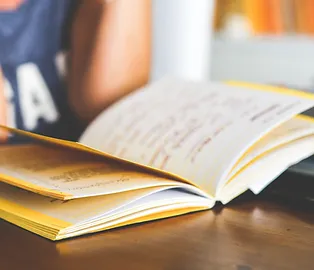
<point>309,16</point>
<point>300,11</point>
<point>256,11</point>
<point>275,16</point>
<point>288,16</point>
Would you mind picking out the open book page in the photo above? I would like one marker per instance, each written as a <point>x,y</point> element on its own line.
<point>65,174</point>
<point>298,127</point>
<point>195,130</point>
<point>262,171</point>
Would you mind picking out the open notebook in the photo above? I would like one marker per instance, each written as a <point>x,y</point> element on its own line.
<point>170,148</point>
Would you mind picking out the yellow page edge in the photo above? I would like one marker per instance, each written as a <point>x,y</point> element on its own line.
<point>66,248</point>
<point>300,116</point>
<point>271,88</point>
<point>263,154</point>
<point>127,220</point>
<point>34,188</point>
<point>305,117</point>
<point>32,215</point>
<point>27,226</point>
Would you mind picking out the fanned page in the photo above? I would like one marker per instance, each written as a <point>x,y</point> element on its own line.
<point>195,130</point>
<point>63,173</point>
<point>283,147</point>
<point>295,128</point>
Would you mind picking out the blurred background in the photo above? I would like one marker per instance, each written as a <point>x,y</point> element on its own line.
<point>261,41</point>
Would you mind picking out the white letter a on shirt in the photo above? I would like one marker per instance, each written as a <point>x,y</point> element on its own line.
<point>35,98</point>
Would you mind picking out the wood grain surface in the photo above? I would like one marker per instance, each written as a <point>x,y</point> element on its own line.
<point>254,232</point>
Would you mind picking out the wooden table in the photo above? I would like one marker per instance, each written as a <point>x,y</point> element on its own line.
<point>251,233</point>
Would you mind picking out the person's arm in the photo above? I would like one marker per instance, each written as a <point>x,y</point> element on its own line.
<point>110,53</point>
<point>3,114</point>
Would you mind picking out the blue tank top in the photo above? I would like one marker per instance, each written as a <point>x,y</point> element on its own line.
<point>33,47</point>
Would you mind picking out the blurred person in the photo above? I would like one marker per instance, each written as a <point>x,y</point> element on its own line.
<point>64,61</point>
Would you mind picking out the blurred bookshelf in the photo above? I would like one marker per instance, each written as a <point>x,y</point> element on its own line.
<point>240,18</point>
<point>264,41</point>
